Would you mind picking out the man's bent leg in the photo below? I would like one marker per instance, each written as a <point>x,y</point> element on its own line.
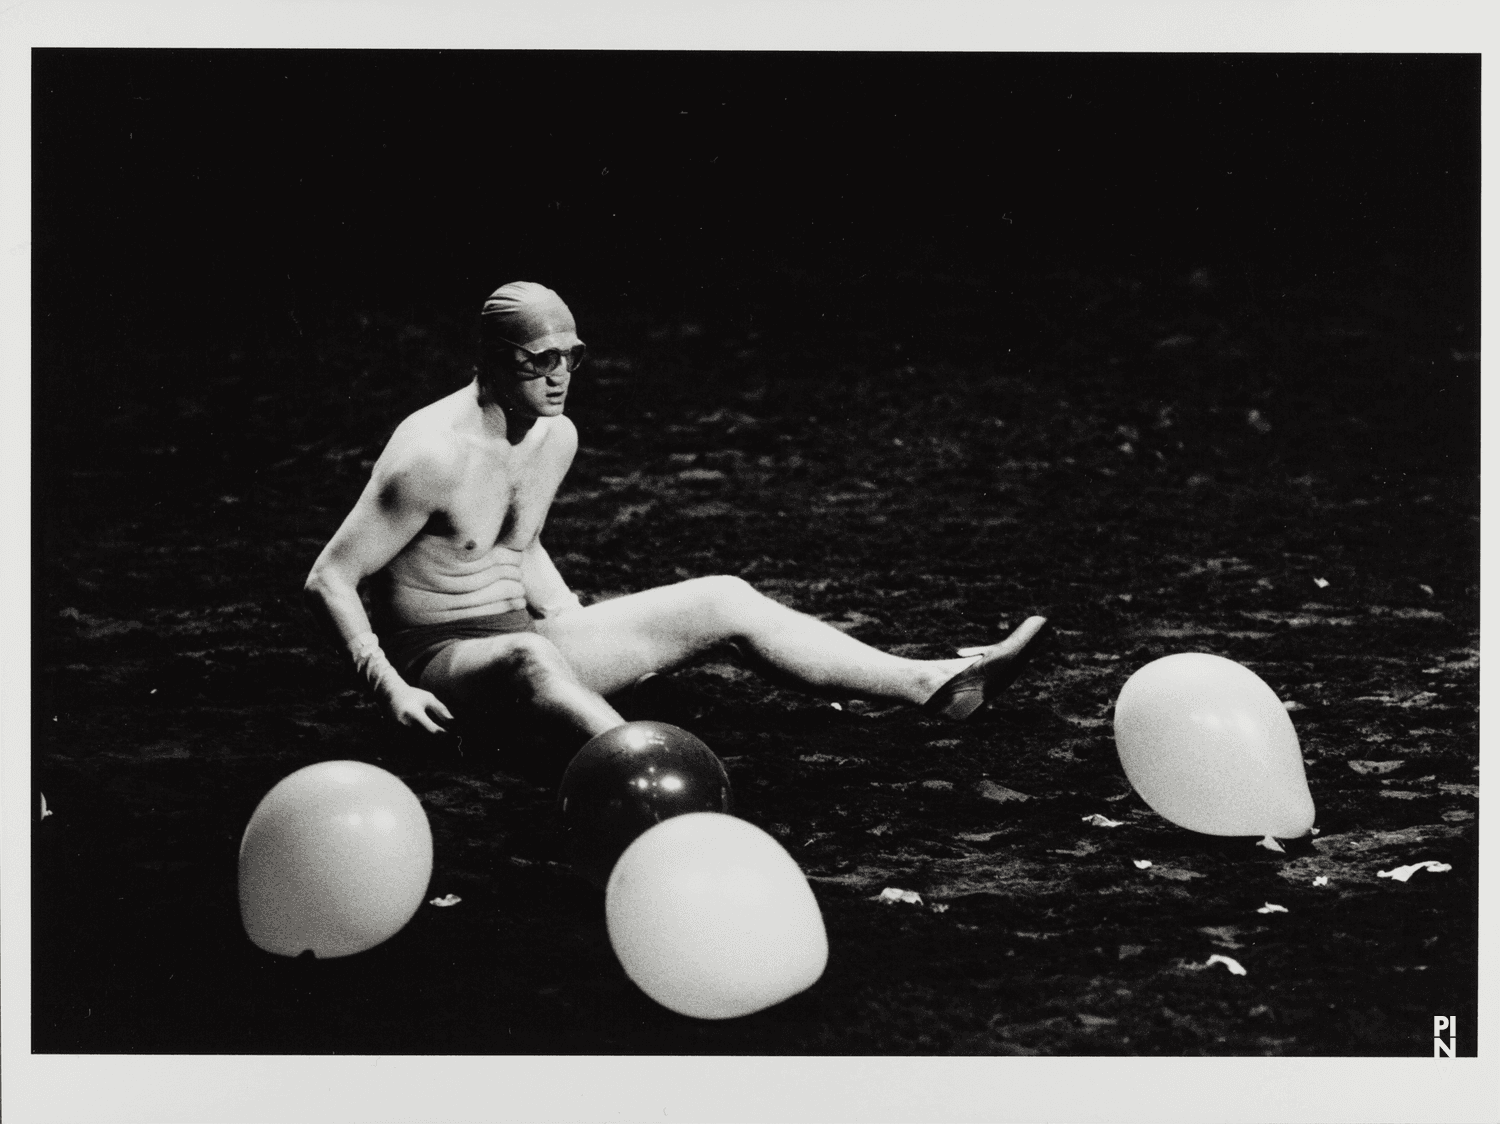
<point>522,666</point>
<point>613,643</point>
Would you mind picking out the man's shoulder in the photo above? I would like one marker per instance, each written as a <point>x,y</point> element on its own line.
<point>424,445</point>
<point>562,433</point>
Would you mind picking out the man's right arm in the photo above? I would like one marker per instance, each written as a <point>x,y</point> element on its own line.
<point>392,510</point>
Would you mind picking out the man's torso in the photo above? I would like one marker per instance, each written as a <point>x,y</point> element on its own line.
<point>493,500</point>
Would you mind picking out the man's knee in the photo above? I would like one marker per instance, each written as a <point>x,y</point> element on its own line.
<point>729,601</point>
<point>725,588</point>
<point>535,661</point>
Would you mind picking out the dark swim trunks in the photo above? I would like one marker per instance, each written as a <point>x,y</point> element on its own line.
<point>410,650</point>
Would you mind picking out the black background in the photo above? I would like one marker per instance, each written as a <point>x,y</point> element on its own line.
<point>202,194</point>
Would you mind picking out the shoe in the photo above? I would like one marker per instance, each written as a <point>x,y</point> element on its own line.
<point>994,671</point>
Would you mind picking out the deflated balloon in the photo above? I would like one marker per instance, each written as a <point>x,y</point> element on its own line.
<point>712,918</point>
<point>1210,747</point>
<point>336,858</point>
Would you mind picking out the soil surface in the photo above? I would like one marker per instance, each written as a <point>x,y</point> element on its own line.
<point>1280,472</point>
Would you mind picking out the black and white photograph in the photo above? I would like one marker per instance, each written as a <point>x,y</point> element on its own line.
<point>602,554</point>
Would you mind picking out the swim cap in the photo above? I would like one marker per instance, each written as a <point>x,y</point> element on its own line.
<point>530,316</point>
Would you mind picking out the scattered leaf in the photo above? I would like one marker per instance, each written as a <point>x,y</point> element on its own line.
<point>445,901</point>
<point>1402,873</point>
<point>1321,880</point>
<point>45,810</point>
<point>891,895</point>
<point>1321,583</point>
<point>1228,961</point>
<point>1142,864</point>
<point>1272,907</point>
<point>1102,821</point>
<point>1375,768</point>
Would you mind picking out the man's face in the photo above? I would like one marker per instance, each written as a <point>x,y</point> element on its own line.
<point>526,391</point>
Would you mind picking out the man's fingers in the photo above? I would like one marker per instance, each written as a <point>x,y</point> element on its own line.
<point>442,711</point>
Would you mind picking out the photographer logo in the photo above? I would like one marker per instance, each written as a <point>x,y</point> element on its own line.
<point>1442,1024</point>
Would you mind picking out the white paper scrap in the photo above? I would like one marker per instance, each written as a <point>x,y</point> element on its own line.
<point>446,900</point>
<point>939,907</point>
<point>1102,821</point>
<point>1272,907</point>
<point>1228,961</point>
<point>891,894</point>
<point>1402,873</point>
<point>1142,864</point>
<point>1321,880</point>
<point>1270,844</point>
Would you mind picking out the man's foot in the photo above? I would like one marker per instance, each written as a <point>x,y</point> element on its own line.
<point>994,671</point>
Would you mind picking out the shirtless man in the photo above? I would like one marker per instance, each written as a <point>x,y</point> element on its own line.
<point>472,611</point>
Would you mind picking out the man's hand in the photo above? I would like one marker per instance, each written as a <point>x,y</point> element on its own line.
<point>412,706</point>
<point>567,604</point>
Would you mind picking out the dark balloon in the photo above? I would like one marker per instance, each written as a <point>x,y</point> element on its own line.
<point>629,779</point>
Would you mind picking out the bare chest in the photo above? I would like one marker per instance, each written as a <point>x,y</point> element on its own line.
<point>497,500</point>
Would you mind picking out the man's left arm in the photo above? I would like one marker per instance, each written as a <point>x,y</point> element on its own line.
<point>546,592</point>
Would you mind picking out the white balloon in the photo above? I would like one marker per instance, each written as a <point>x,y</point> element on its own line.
<point>336,859</point>
<point>1208,745</point>
<point>712,918</point>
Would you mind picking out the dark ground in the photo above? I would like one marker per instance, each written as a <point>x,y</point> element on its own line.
<point>1161,452</point>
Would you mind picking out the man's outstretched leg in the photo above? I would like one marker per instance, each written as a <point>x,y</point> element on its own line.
<point>612,644</point>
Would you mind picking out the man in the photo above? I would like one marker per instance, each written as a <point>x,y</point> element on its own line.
<point>473,614</point>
